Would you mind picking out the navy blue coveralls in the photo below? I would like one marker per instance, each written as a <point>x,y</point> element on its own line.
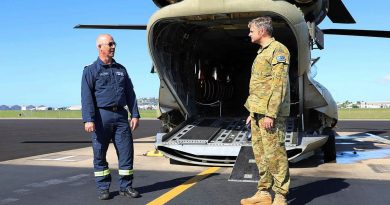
<point>105,90</point>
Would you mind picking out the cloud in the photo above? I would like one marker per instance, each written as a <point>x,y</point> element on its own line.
<point>386,79</point>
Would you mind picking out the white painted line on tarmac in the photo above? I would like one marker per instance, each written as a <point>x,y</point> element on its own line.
<point>57,159</point>
<point>8,200</point>
<point>63,158</point>
<point>76,177</point>
<point>21,191</point>
<point>46,183</point>
<point>56,181</point>
<point>73,180</point>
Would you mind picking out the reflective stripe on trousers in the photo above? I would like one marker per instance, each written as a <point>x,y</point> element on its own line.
<point>102,173</point>
<point>126,172</point>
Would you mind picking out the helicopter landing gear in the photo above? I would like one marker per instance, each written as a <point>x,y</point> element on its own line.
<point>329,148</point>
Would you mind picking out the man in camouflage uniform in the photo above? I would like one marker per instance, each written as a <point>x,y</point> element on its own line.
<point>269,105</point>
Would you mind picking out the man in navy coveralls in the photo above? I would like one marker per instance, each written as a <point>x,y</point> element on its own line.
<point>105,90</point>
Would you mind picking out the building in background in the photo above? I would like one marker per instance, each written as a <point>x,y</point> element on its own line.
<point>42,107</point>
<point>74,107</point>
<point>147,103</point>
<point>28,107</point>
<point>374,104</point>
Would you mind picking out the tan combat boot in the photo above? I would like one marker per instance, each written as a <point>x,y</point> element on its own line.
<point>279,200</point>
<point>260,198</point>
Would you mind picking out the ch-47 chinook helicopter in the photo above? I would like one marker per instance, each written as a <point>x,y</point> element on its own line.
<point>202,55</point>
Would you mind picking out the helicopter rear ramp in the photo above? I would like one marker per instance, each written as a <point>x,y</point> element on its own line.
<point>206,141</point>
<point>245,168</point>
<point>218,141</point>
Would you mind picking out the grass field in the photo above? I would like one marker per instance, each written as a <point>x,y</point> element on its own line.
<point>58,114</point>
<point>382,113</point>
<point>343,114</point>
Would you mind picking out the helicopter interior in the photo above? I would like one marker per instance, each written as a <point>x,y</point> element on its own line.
<point>208,60</point>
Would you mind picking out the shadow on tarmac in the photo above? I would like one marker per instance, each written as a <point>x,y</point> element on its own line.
<point>315,189</point>
<point>70,142</point>
<point>49,142</point>
<point>77,187</point>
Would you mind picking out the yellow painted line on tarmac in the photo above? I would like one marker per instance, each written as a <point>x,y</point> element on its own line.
<point>181,188</point>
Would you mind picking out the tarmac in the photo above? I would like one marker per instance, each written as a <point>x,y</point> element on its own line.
<point>360,176</point>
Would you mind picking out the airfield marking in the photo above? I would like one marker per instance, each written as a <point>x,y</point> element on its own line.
<point>57,181</point>
<point>58,159</point>
<point>8,200</point>
<point>63,158</point>
<point>181,188</point>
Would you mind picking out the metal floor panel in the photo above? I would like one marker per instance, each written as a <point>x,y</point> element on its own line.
<point>200,133</point>
<point>212,131</point>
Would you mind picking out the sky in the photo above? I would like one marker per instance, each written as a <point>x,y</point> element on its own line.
<point>42,56</point>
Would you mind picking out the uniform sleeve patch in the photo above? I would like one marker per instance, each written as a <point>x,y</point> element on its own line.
<point>281,59</point>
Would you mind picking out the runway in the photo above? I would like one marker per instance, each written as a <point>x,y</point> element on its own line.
<point>376,127</point>
<point>56,168</point>
<point>29,137</point>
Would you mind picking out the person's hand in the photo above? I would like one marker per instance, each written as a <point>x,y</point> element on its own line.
<point>268,123</point>
<point>89,127</point>
<point>248,120</point>
<point>134,123</point>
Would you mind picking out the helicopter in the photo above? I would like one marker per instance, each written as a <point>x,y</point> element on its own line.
<point>202,55</point>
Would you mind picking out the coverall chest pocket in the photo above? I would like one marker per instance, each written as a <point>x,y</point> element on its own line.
<point>103,78</point>
<point>120,77</point>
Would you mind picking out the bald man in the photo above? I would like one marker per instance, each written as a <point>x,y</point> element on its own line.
<point>106,89</point>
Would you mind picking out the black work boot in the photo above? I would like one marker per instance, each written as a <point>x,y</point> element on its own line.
<point>130,192</point>
<point>104,194</point>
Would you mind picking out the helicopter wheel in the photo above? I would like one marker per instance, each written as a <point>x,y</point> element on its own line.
<point>329,148</point>
<point>164,129</point>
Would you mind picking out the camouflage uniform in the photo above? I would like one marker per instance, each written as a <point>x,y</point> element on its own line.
<point>269,95</point>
